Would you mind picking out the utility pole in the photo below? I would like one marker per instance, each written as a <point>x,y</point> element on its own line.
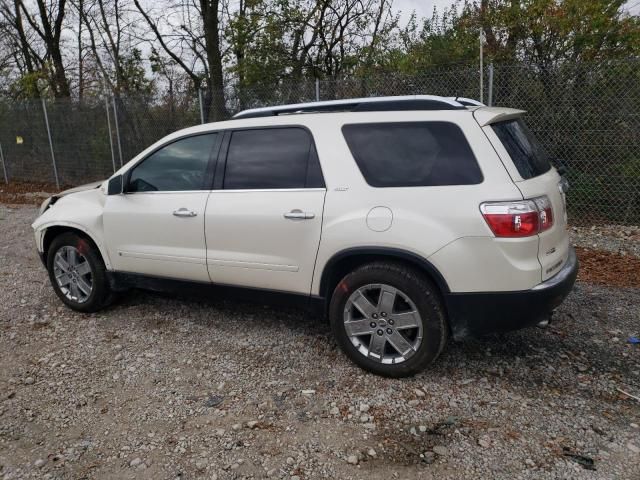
<point>482,39</point>
<point>490,92</point>
<point>200,103</point>
<point>106,108</point>
<point>53,155</point>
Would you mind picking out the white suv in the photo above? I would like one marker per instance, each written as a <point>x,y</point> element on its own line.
<point>403,219</point>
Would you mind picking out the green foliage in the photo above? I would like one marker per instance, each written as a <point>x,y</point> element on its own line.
<point>273,40</point>
<point>133,78</point>
<point>257,38</point>
<point>538,32</point>
<point>28,85</point>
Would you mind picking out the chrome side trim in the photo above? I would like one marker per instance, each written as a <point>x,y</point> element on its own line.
<point>168,192</point>
<point>165,258</point>
<point>243,190</point>
<point>249,190</point>
<point>253,265</point>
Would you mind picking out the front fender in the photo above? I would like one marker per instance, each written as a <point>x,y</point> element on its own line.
<point>81,211</point>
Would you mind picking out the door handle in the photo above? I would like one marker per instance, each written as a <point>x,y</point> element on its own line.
<point>299,215</point>
<point>184,212</point>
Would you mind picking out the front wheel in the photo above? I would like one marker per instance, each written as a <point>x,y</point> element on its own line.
<point>77,273</point>
<point>388,318</point>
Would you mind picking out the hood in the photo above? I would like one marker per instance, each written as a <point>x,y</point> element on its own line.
<point>54,198</point>
<point>81,188</point>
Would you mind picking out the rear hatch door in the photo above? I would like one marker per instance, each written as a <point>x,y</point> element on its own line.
<point>553,248</point>
<point>530,168</point>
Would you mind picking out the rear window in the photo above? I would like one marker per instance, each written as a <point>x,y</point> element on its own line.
<point>523,147</point>
<point>412,154</point>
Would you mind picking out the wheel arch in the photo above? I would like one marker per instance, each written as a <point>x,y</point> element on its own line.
<point>53,231</point>
<point>347,260</point>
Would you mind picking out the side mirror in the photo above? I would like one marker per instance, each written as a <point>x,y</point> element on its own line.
<point>115,186</point>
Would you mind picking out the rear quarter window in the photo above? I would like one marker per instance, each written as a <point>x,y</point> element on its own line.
<point>412,154</point>
<point>526,152</point>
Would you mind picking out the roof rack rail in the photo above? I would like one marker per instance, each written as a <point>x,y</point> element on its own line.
<point>467,102</point>
<point>373,104</point>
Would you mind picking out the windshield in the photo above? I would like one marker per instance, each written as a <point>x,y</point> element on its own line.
<point>523,147</point>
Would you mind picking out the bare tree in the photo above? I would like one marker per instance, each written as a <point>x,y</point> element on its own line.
<point>80,53</point>
<point>48,24</point>
<point>328,37</point>
<point>111,38</point>
<point>194,45</point>
<point>21,46</point>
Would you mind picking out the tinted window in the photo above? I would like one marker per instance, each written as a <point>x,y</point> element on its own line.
<point>272,158</point>
<point>178,166</point>
<point>314,174</point>
<point>412,154</point>
<point>525,151</point>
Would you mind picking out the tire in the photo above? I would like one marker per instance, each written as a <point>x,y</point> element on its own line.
<point>413,293</point>
<point>89,271</point>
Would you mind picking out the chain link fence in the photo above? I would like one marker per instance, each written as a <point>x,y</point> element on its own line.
<point>587,115</point>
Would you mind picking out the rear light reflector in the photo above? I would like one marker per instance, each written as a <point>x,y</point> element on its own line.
<point>518,218</point>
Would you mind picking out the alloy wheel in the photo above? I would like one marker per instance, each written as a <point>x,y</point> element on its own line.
<point>383,323</point>
<point>72,272</point>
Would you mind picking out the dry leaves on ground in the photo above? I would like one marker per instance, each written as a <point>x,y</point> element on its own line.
<point>26,193</point>
<point>597,266</point>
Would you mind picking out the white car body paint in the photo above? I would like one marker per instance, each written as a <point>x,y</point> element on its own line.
<point>81,209</point>
<point>242,237</point>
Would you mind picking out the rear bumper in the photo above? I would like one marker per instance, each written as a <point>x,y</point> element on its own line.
<point>476,314</point>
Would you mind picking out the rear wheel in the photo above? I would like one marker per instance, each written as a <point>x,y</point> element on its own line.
<point>388,319</point>
<point>77,273</point>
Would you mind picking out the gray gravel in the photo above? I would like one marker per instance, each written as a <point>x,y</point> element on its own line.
<point>160,387</point>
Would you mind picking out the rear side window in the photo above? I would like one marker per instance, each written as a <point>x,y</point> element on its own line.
<point>523,147</point>
<point>412,154</point>
<point>272,158</point>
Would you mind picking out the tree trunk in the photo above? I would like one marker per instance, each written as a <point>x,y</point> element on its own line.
<point>215,82</point>
<point>61,83</point>
<point>80,58</point>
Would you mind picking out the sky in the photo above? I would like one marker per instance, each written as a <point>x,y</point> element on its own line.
<point>424,8</point>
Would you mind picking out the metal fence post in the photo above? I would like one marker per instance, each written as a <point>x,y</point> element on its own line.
<point>115,121</point>
<point>490,86</point>
<point>317,90</point>
<point>4,166</point>
<point>200,102</point>
<point>481,67</point>
<point>113,156</point>
<point>53,156</point>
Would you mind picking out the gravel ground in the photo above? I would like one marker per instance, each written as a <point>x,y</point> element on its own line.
<point>622,239</point>
<point>159,387</point>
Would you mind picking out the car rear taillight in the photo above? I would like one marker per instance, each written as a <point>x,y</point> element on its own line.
<point>546,212</point>
<point>518,218</point>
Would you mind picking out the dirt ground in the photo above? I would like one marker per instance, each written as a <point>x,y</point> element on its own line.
<point>25,193</point>
<point>164,387</point>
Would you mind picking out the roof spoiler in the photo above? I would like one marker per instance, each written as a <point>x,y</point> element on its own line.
<point>488,115</point>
